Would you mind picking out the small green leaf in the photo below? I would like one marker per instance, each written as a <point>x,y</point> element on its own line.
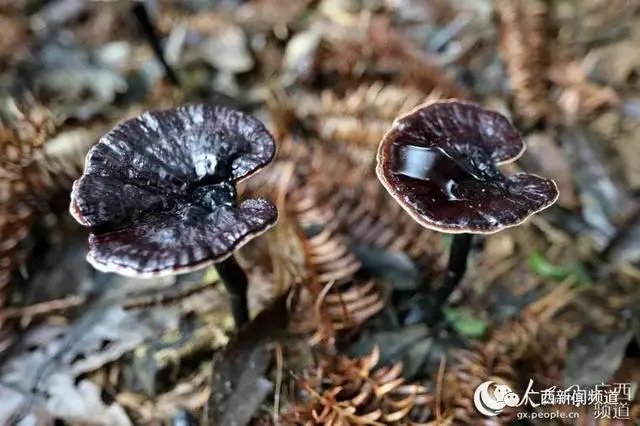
<point>544,268</point>
<point>465,322</point>
<point>581,275</point>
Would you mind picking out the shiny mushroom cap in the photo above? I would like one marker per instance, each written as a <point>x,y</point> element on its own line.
<point>158,191</point>
<point>440,162</point>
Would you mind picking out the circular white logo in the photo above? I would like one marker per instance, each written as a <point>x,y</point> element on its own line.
<point>492,403</point>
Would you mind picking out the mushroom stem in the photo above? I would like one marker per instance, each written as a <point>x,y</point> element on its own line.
<point>456,268</point>
<point>236,283</point>
<point>150,31</point>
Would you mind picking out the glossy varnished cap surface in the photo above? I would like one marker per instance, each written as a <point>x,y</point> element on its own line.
<point>440,162</point>
<point>158,191</point>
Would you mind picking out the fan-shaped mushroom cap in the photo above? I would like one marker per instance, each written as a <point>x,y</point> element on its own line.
<point>158,191</point>
<point>440,163</point>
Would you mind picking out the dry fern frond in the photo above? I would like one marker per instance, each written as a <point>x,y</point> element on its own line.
<point>537,347</point>
<point>15,223</point>
<point>303,160</point>
<point>476,365</point>
<point>293,160</point>
<point>326,298</point>
<point>328,258</point>
<point>358,131</point>
<point>522,46</point>
<point>362,116</point>
<point>395,54</point>
<point>275,262</point>
<point>376,220</point>
<point>329,299</point>
<point>521,336</point>
<point>25,125</point>
<point>378,100</point>
<point>534,334</point>
<point>28,182</point>
<point>334,309</point>
<point>59,162</point>
<point>432,79</point>
<point>528,347</point>
<point>345,391</point>
<point>379,51</point>
<point>367,216</point>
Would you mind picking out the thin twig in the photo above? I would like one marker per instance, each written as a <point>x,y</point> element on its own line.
<point>165,298</point>
<point>276,396</point>
<point>45,308</point>
<point>439,385</point>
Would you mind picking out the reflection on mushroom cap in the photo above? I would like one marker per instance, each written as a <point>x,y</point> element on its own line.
<point>440,162</point>
<point>158,191</point>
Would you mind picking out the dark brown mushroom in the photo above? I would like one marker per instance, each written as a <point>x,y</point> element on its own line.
<point>158,195</point>
<point>440,162</point>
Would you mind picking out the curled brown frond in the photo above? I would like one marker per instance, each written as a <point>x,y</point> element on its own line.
<point>32,168</point>
<point>331,298</point>
<point>380,100</point>
<point>60,161</point>
<point>534,335</point>
<point>334,309</point>
<point>275,262</point>
<point>25,125</point>
<point>367,217</point>
<point>538,348</point>
<point>523,49</point>
<point>328,258</point>
<point>379,50</point>
<point>326,296</point>
<point>304,156</point>
<point>356,391</point>
<point>528,347</point>
<point>15,223</point>
<point>45,170</point>
<point>363,115</point>
<point>474,366</point>
<point>395,54</point>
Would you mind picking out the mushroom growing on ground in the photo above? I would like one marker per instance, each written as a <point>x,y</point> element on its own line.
<point>440,162</point>
<point>158,194</point>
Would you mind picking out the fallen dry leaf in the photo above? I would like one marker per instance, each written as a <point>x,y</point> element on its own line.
<point>239,385</point>
<point>577,95</point>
